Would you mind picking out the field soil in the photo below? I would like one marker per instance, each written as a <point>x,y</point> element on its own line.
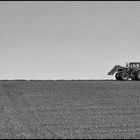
<point>69,109</point>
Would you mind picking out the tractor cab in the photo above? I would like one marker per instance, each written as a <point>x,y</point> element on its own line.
<point>134,65</point>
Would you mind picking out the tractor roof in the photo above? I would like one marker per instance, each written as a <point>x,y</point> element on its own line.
<point>134,63</point>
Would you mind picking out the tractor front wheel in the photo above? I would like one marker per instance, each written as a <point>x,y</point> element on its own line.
<point>117,76</point>
<point>124,76</point>
<point>138,75</point>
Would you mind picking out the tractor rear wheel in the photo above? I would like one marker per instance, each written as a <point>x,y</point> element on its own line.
<point>138,75</point>
<point>124,76</point>
<point>117,76</point>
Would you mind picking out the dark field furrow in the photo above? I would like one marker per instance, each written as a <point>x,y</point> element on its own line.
<point>69,109</point>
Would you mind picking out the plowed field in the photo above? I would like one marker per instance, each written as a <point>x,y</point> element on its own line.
<point>69,109</point>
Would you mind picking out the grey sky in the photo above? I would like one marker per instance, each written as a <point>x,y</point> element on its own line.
<point>67,40</point>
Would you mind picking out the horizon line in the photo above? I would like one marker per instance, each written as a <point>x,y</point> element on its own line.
<point>57,79</point>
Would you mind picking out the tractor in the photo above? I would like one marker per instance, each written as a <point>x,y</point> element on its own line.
<point>130,71</point>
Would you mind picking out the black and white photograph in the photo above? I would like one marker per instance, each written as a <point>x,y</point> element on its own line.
<point>69,70</point>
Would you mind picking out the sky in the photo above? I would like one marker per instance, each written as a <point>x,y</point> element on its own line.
<point>43,40</point>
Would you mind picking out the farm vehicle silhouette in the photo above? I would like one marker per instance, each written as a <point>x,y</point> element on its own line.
<point>130,71</point>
